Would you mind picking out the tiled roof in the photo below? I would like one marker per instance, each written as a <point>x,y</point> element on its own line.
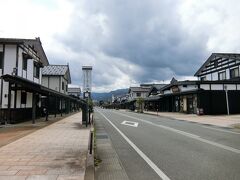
<point>159,86</point>
<point>60,70</point>
<point>139,89</point>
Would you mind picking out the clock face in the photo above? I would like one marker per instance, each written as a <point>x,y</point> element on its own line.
<point>86,94</point>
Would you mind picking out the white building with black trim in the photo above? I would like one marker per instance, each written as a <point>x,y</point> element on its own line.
<point>23,58</point>
<point>21,63</point>
<point>216,92</point>
<point>74,90</point>
<point>56,77</point>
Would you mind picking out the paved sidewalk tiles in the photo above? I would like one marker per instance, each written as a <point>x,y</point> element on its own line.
<point>56,152</point>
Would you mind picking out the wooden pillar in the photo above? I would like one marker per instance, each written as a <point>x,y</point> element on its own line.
<point>61,105</point>
<point>85,114</point>
<point>66,106</point>
<point>33,107</point>
<point>9,102</point>
<point>56,106</point>
<point>47,108</point>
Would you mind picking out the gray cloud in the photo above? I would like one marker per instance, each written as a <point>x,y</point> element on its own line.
<point>139,41</point>
<point>127,42</point>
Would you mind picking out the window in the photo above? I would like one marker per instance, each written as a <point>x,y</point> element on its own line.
<point>36,71</point>
<point>203,78</point>
<point>234,72</point>
<point>1,60</point>
<point>185,85</point>
<point>24,61</point>
<point>63,86</point>
<point>222,75</point>
<point>138,94</point>
<point>23,98</point>
<point>66,87</point>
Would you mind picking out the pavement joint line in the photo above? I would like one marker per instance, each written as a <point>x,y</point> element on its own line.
<point>222,130</point>
<point>159,172</point>
<point>193,136</point>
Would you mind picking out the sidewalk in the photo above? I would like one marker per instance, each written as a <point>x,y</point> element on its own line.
<point>110,167</point>
<point>217,120</point>
<point>58,151</point>
<point>12,132</point>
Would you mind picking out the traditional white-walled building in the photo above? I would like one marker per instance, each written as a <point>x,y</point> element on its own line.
<point>138,92</point>
<point>23,58</point>
<point>216,92</point>
<point>74,90</point>
<point>56,77</point>
<point>220,66</point>
<point>21,92</point>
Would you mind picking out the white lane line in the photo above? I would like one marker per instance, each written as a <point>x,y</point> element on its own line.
<point>160,173</point>
<point>130,123</point>
<point>193,136</point>
<point>222,130</point>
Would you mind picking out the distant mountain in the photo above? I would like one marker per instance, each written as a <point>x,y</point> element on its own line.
<point>108,95</point>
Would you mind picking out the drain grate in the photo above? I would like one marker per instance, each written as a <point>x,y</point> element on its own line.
<point>102,136</point>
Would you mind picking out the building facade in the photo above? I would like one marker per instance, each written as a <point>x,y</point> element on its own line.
<point>138,92</point>
<point>74,91</point>
<point>23,58</point>
<point>220,66</point>
<point>216,92</point>
<point>151,101</point>
<point>22,95</point>
<point>57,78</point>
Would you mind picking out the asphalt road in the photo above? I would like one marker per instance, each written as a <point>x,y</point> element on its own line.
<point>151,147</point>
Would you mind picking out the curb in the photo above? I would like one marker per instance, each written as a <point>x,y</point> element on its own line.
<point>90,169</point>
<point>205,124</point>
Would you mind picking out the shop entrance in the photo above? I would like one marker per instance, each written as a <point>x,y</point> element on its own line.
<point>190,108</point>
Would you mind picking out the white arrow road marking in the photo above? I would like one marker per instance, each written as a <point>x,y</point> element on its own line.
<point>159,172</point>
<point>130,123</point>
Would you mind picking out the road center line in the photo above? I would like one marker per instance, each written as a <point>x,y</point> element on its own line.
<point>190,135</point>
<point>159,172</point>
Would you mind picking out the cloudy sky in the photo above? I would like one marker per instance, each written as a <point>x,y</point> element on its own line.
<point>126,41</point>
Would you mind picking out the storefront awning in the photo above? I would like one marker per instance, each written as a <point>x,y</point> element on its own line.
<point>194,91</point>
<point>27,85</point>
<point>152,98</point>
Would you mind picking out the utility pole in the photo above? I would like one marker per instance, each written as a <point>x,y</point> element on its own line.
<point>226,91</point>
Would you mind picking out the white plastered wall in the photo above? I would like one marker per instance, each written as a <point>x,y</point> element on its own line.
<point>9,64</point>
<point>54,83</point>
<point>30,69</point>
<point>20,62</point>
<point>216,87</point>
<point>29,100</point>
<point>45,81</point>
<point>205,86</point>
